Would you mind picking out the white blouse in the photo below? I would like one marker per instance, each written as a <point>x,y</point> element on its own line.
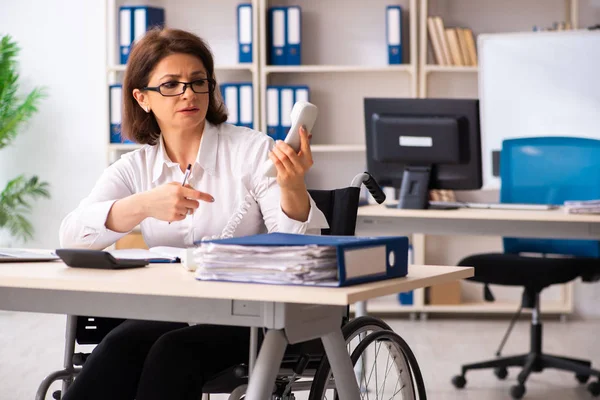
<point>227,167</point>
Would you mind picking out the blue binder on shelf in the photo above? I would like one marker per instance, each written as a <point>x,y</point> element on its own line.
<point>115,96</point>
<point>277,35</point>
<point>359,259</point>
<point>246,109</point>
<point>273,106</point>
<point>294,35</point>
<point>230,93</point>
<point>239,101</point>
<point>393,23</point>
<point>244,13</point>
<point>285,110</point>
<point>134,22</point>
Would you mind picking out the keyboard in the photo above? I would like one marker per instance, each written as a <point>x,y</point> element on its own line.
<point>492,206</point>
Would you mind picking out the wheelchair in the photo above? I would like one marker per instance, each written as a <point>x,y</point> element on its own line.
<point>305,367</point>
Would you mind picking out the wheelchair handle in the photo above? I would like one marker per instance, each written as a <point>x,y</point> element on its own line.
<point>371,184</point>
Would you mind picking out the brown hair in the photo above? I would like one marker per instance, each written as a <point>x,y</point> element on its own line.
<point>156,44</point>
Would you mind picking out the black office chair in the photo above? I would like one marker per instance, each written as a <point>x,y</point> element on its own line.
<point>303,360</point>
<point>542,171</point>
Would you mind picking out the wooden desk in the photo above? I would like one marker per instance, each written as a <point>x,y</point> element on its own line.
<point>168,292</point>
<point>380,220</point>
<point>540,224</point>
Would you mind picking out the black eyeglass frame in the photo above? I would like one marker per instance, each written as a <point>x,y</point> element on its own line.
<point>211,87</point>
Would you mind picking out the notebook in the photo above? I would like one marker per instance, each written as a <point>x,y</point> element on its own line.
<point>159,254</point>
<point>26,255</point>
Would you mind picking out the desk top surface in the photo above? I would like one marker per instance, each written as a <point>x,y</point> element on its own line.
<point>557,215</point>
<point>173,281</point>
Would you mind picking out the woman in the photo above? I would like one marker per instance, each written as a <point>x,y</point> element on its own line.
<point>172,105</point>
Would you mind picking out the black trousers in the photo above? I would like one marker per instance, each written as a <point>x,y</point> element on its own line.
<point>147,360</point>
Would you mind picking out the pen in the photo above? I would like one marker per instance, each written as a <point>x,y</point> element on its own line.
<point>187,174</point>
<point>185,177</point>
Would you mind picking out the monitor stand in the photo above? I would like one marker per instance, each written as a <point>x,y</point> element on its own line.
<point>414,192</point>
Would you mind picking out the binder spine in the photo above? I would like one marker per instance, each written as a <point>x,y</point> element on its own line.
<point>273,102</point>
<point>245,33</point>
<point>278,35</point>
<point>394,34</point>
<point>125,33</point>
<point>294,35</point>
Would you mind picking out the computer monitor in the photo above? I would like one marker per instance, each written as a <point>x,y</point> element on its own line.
<point>422,144</point>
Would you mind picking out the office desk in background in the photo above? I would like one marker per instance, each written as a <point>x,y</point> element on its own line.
<point>167,292</point>
<point>381,220</point>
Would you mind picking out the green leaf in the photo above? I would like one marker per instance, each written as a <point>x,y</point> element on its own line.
<point>14,110</point>
<point>15,203</point>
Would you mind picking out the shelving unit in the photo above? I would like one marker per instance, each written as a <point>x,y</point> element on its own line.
<point>217,25</point>
<point>342,52</point>
<point>485,16</point>
<point>344,59</point>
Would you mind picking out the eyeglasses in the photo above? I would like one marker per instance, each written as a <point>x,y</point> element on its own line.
<point>175,88</point>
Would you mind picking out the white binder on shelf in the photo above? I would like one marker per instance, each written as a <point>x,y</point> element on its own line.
<point>245,33</point>
<point>273,105</point>
<point>246,105</point>
<point>125,30</point>
<point>294,36</point>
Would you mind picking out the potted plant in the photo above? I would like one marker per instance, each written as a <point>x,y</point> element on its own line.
<point>15,110</point>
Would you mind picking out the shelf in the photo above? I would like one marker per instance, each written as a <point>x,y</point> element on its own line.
<point>232,67</point>
<point>340,148</point>
<point>337,68</point>
<point>124,146</point>
<point>390,305</point>
<point>449,68</point>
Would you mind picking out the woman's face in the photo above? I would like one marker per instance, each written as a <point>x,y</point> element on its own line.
<point>187,110</point>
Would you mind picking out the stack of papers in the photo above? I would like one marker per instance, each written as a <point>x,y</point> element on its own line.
<point>308,264</point>
<point>583,207</point>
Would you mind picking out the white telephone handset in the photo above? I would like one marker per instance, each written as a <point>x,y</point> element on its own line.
<point>303,113</point>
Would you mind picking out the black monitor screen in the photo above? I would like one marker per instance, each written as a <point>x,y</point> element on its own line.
<point>438,136</point>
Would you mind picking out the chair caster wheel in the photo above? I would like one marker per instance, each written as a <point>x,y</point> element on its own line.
<point>459,381</point>
<point>517,391</point>
<point>582,378</point>
<point>56,395</point>
<point>594,388</point>
<point>501,373</point>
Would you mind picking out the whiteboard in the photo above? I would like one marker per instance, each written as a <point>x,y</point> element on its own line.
<point>537,84</point>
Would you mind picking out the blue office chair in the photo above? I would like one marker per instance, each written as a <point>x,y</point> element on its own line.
<point>544,170</point>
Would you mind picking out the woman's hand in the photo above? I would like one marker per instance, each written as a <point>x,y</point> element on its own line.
<point>292,166</point>
<point>172,202</point>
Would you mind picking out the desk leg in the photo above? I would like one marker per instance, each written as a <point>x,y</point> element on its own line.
<point>262,380</point>
<point>341,365</point>
<point>361,309</point>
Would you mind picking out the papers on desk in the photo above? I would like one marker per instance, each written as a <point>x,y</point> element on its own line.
<point>159,254</point>
<point>583,207</point>
<point>281,258</point>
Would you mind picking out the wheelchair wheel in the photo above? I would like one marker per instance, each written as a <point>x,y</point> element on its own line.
<point>393,377</point>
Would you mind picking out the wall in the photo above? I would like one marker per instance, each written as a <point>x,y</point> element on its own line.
<point>63,48</point>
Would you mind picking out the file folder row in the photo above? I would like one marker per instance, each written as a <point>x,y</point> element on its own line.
<point>239,101</point>
<point>134,22</point>
<point>280,101</point>
<point>285,35</point>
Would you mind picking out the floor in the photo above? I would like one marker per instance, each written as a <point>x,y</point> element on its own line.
<point>440,345</point>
